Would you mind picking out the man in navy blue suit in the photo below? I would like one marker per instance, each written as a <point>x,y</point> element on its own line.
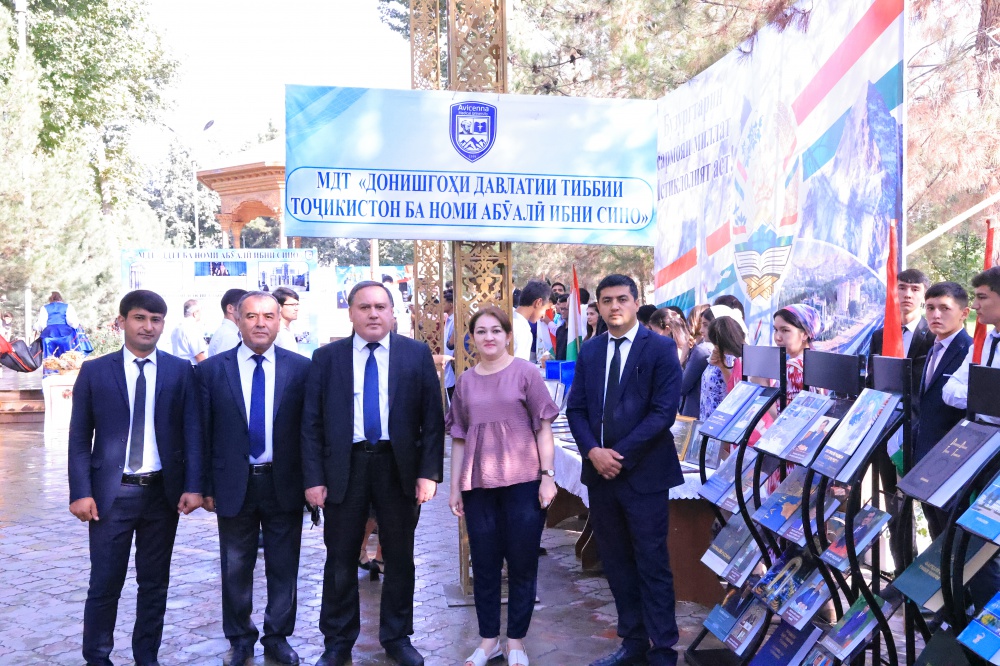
<point>372,436</point>
<point>251,402</point>
<point>946,307</point>
<point>624,398</point>
<point>135,464</point>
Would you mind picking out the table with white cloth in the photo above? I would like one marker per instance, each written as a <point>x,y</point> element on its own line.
<point>691,519</point>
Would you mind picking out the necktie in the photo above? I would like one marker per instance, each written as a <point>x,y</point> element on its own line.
<point>373,420</point>
<point>932,361</point>
<point>993,350</point>
<point>257,437</point>
<point>611,393</point>
<point>138,437</point>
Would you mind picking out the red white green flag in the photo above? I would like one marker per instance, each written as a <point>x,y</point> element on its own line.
<point>576,326</point>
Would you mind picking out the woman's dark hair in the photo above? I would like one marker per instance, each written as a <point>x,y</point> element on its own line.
<point>725,333</point>
<point>496,313</point>
<point>592,330</point>
<point>696,321</point>
<point>666,318</point>
<point>54,297</point>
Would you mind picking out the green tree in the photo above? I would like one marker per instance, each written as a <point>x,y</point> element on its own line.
<point>169,192</point>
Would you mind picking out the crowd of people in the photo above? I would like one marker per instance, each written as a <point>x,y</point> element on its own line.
<point>250,431</point>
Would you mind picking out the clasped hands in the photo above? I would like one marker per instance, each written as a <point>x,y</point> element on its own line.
<point>607,462</point>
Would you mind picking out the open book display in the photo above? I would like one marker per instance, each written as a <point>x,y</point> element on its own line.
<point>982,635</point>
<point>852,632</point>
<point>855,435</point>
<point>728,409</point>
<point>868,524</point>
<point>951,463</point>
<point>791,425</point>
<point>753,409</point>
<point>983,517</point>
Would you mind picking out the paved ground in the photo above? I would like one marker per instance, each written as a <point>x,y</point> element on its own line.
<point>44,567</point>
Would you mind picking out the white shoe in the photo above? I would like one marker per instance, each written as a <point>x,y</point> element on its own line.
<point>517,658</point>
<point>479,658</point>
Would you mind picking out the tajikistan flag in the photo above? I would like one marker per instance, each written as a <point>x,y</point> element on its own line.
<point>576,326</point>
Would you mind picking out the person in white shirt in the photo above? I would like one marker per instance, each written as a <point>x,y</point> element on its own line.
<point>533,301</point>
<point>288,299</point>
<point>227,335</point>
<point>986,303</point>
<point>398,305</point>
<point>188,339</point>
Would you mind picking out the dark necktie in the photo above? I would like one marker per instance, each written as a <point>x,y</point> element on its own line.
<point>373,420</point>
<point>611,393</point>
<point>993,350</point>
<point>257,429</point>
<point>138,437</point>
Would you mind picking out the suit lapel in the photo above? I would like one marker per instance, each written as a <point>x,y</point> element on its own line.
<point>394,361</point>
<point>947,357</point>
<point>638,343</point>
<point>118,370</point>
<point>280,378</point>
<point>601,376</point>
<point>161,378</point>
<point>232,365</point>
<point>917,341</point>
<point>344,359</point>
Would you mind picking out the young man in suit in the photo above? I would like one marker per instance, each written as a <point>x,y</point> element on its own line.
<point>135,464</point>
<point>986,303</point>
<point>622,403</point>
<point>372,435</point>
<point>911,285</point>
<point>251,406</point>
<point>947,307</point>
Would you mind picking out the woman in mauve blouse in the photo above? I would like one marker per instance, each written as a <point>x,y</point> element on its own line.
<point>502,479</point>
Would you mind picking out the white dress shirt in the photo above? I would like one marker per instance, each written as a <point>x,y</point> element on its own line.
<point>908,331</point>
<point>247,365</point>
<point>150,454</point>
<point>522,337</point>
<point>225,338</point>
<point>42,320</point>
<point>934,359</point>
<point>286,339</point>
<point>956,391</point>
<point>360,356</point>
<point>188,340</point>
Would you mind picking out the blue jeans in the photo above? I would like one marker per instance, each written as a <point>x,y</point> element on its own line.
<point>504,524</point>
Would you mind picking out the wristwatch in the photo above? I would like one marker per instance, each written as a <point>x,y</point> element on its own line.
<point>548,472</point>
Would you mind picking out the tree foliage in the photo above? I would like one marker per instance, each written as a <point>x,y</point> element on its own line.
<point>555,262</point>
<point>169,190</point>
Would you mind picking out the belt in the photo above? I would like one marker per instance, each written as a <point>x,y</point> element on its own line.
<point>142,479</point>
<point>381,446</point>
<point>263,468</point>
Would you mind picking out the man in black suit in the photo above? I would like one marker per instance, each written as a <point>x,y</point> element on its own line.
<point>624,398</point>
<point>135,464</point>
<point>251,406</point>
<point>911,286</point>
<point>947,309</point>
<point>562,332</point>
<point>372,435</point>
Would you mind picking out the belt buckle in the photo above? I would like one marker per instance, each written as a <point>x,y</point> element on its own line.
<point>371,448</point>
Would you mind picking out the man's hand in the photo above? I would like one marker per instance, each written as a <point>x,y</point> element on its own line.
<point>208,504</point>
<point>316,496</point>
<point>85,509</point>
<point>189,502</point>
<point>606,462</point>
<point>426,489</point>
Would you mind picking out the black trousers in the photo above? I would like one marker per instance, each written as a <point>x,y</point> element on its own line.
<point>504,524</point>
<point>238,537</point>
<point>631,532</point>
<point>374,482</point>
<point>145,512</point>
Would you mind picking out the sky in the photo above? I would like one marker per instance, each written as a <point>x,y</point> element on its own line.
<point>235,56</point>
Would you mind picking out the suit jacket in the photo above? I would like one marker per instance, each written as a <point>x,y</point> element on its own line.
<point>227,436</point>
<point>649,394</point>
<point>416,417</point>
<point>934,417</point>
<point>920,345</point>
<point>100,422</point>
<point>561,334</point>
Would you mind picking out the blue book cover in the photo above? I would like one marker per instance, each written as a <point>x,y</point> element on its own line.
<point>806,601</point>
<point>722,618</point>
<point>726,544</point>
<point>983,517</point>
<point>781,434</point>
<point>921,581</point>
<point>787,646</point>
<point>867,525</point>
<point>737,429</point>
<point>722,480</point>
<point>742,393</point>
<point>851,432</point>
<point>982,640</point>
<point>783,503</point>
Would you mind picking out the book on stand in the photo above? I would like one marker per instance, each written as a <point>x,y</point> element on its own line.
<point>797,416</point>
<point>983,517</point>
<point>982,635</point>
<point>784,578</point>
<point>804,450</point>
<point>684,430</point>
<point>851,431</point>
<point>889,418</point>
<point>719,483</point>
<point>743,564</point>
<point>726,544</point>
<point>747,626</point>
<point>754,408</point>
<point>819,657</point>
<point>943,650</point>
<point>853,630</point>
<point>921,581</point>
<point>947,467</point>
<point>792,529</point>
<point>783,503</point>
<point>868,524</point>
<point>806,601</point>
<point>787,646</point>
<point>722,618</point>
<point>730,406</point>
<point>731,503</point>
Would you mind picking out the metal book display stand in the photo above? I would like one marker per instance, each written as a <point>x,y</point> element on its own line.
<point>766,363</point>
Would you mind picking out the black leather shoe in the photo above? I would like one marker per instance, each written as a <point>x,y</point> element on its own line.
<point>240,655</point>
<point>621,657</point>
<point>279,651</point>
<point>334,658</point>
<point>403,653</point>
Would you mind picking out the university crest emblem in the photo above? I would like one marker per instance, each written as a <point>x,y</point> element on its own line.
<point>473,128</point>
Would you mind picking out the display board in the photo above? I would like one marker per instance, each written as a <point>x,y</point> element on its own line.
<point>436,165</point>
<point>779,172</point>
